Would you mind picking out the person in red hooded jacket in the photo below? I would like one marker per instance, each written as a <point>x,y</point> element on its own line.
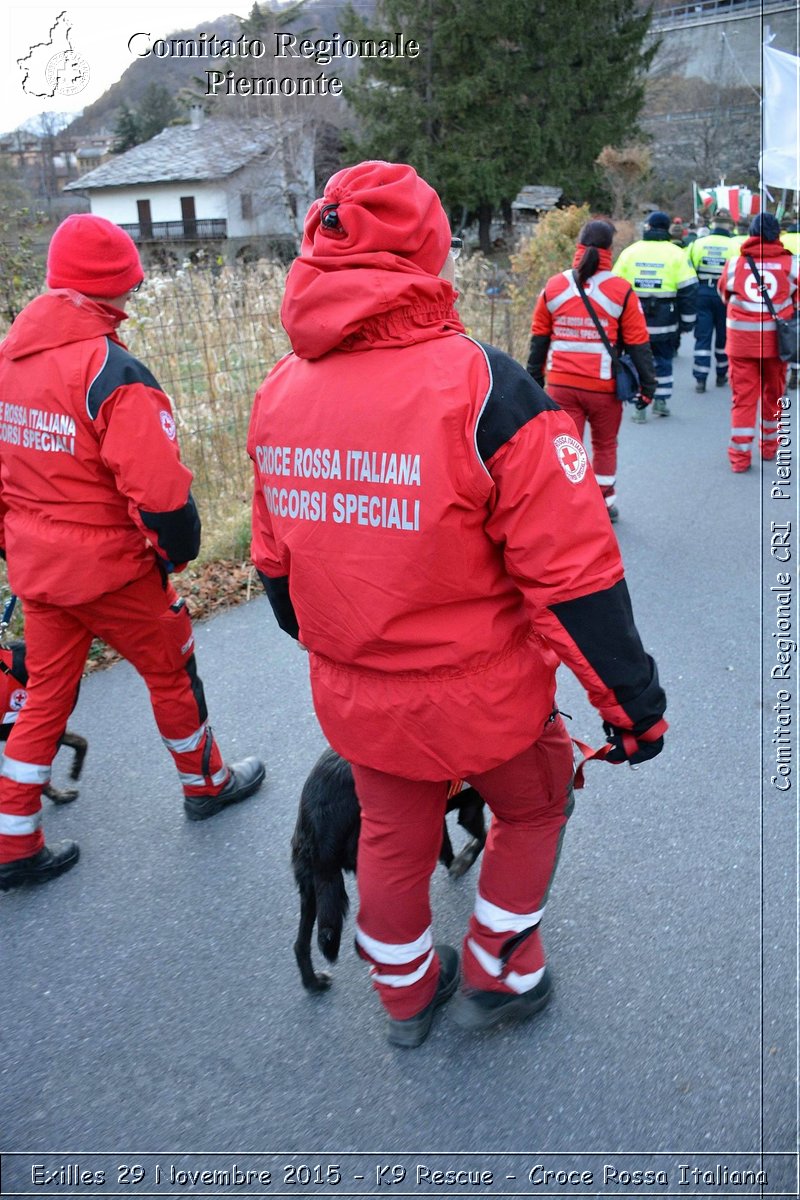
<point>565,343</point>
<point>95,512</point>
<point>426,523</point>
<point>756,371</point>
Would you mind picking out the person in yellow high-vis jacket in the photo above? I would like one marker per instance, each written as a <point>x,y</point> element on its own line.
<point>666,284</point>
<point>708,256</point>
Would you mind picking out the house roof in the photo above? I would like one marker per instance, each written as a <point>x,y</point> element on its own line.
<point>536,197</point>
<point>181,152</point>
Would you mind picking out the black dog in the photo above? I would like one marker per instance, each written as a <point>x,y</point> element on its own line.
<point>13,681</point>
<point>325,844</point>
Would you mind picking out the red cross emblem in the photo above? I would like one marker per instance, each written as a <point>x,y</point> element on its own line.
<point>571,456</point>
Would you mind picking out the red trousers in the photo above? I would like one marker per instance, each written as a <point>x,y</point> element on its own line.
<point>147,624</point>
<point>530,798</point>
<point>753,380</point>
<point>603,411</point>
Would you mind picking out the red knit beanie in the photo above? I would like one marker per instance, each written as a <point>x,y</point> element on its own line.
<point>379,206</point>
<point>94,256</point>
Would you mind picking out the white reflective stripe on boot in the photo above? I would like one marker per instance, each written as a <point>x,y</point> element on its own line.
<point>25,772</point>
<point>499,970</point>
<point>200,780</point>
<point>15,826</point>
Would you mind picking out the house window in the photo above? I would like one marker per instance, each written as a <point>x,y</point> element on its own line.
<point>247,206</point>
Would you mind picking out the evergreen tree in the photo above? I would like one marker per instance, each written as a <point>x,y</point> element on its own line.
<point>501,95</point>
<point>157,109</point>
<point>133,126</point>
<point>126,131</point>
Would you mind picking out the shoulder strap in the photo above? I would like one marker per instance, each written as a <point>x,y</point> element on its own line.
<point>593,315</point>
<point>762,287</point>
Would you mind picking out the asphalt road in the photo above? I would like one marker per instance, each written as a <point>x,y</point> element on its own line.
<point>151,1009</point>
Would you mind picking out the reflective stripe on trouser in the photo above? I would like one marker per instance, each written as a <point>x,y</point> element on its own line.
<point>148,626</point>
<point>531,800</point>
<point>399,844</point>
<point>662,361</point>
<point>756,384</point>
<point>603,412</point>
<point>401,835</point>
<point>710,327</point>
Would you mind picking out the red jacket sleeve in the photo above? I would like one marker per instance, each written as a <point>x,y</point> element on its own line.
<point>550,518</point>
<point>138,443</point>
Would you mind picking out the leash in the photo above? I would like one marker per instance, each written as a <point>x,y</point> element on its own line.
<point>630,744</point>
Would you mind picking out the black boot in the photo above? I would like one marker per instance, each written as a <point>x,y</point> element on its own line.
<point>412,1031</point>
<point>245,778</point>
<point>38,868</point>
<point>481,1010</point>
<point>699,386</point>
<point>722,378</point>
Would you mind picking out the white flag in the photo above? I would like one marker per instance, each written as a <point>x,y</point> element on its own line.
<point>780,159</point>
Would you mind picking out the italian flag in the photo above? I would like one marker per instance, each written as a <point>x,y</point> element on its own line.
<point>704,201</point>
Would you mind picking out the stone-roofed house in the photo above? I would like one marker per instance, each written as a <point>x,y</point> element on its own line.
<point>244,185</point>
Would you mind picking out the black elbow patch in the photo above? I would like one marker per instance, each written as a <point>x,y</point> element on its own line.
<point>177,532</point>
<point>514,399</point>
<point>602,627</point>
<point>281,602</point>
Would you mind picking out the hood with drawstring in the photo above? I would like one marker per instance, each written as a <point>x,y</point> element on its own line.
<point>368,271</point>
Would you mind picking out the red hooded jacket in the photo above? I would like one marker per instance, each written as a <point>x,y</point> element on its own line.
<point>426,520</point>
<point>565,343</point>
<point>90,474</point>
<point>750,327</point>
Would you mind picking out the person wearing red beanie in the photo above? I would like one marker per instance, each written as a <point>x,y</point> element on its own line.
<point>95,512</point>
<point>94,256</point>
<point>427,525</point>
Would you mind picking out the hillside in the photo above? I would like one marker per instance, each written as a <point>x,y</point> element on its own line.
<point>320,19</point>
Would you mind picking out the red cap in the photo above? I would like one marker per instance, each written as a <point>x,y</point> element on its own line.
<point>94,256</point>
<point>379,206</point>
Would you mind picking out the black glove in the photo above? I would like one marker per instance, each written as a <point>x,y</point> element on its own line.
<point>627,747</point>
<point>642,401</point>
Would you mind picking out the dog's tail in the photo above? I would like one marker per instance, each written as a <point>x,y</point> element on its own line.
<point>332,906</point>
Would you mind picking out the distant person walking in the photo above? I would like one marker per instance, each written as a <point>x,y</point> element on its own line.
<point>708,256</point>
<point>566,348</point>
<point>666,285</point>
<point>756,371</point>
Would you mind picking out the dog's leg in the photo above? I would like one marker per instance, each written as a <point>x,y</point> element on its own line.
<point>332,906</point>
<point>60,795</point>
<point>79,745</point>
<point>312,981</point>
<point>446,852</point>
<point>470,818</point>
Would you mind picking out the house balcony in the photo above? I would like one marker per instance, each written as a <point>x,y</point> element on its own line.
<point>194,230</point>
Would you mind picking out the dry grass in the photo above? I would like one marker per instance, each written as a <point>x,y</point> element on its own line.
<point>211,335</point>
